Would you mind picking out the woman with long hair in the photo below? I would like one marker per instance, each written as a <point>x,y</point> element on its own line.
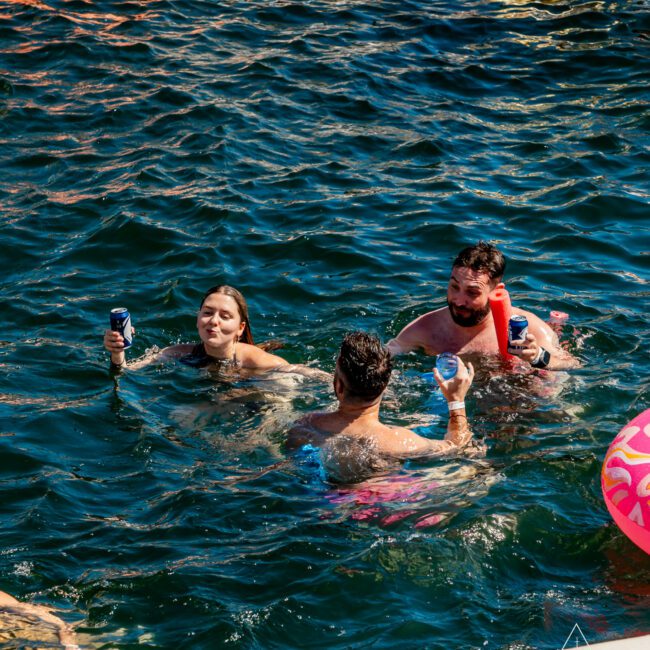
<point>224,328</point>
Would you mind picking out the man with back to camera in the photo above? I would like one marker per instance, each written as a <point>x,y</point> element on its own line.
<point>363,369</point>
<point>466,324</point>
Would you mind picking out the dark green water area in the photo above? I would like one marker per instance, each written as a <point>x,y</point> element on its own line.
<point>329,159</point>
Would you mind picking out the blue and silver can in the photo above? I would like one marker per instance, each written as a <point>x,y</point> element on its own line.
<point>121,322</point>
<point>517,330</point>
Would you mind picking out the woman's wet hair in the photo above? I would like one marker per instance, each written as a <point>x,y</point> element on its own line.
<point>242,307</point>
<point>483,258</point>
<point>366,365</point>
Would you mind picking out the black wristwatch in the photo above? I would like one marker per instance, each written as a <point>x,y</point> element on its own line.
<point>543,359</point>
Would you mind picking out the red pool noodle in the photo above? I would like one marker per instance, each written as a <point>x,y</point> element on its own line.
<point>501,310</point>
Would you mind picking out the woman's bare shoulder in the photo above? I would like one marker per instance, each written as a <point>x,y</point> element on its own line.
<point>250,356</point>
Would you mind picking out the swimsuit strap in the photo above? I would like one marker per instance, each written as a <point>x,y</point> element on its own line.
<point>199,358</point>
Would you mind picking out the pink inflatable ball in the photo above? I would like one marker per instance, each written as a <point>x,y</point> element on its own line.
<point>625,480</point>
<point>558,317</point>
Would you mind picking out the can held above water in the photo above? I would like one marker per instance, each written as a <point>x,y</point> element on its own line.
<point>517,331</point>
<point>121,322</point>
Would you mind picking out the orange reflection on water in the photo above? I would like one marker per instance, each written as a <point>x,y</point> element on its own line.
<point>106,21</point>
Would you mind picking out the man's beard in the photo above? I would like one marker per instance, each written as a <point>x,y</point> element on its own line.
<point>474,317</point>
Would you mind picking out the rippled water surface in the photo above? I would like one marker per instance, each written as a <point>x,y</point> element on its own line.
<point>329,159</point>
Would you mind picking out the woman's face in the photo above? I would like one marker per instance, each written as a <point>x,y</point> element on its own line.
<point>219,323</point>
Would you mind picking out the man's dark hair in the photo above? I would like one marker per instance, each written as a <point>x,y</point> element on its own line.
<point>484,258</point>
<point>366,365</point>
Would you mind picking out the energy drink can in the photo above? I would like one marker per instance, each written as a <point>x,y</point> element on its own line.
<point>121,322</point>
<point>517,330</point>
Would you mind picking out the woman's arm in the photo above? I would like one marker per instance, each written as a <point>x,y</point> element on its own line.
<point>114,343</point>
<point>260,359</point>
<point>306,371</point>
<point>156,354</point>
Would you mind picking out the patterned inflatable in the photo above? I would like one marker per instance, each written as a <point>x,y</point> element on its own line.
<point>625,480</point>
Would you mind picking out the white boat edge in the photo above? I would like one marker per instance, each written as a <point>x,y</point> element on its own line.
<point>633,643</point>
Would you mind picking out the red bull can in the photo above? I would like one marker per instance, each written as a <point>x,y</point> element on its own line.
<point>517,330</point>
<point>121,322</point>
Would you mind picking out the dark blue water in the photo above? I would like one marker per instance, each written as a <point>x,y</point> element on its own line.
<point>329,159</point>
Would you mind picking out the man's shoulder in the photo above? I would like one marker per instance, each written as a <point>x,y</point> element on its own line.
<point>535,323</point>
<point>424,321</point>
<point>434,316</point>
<point>305,422</point>
<point>393,432</point>
<point>397,441</point>
<point>423,332</point>
<point>525,312</point>
<point>309,428</point>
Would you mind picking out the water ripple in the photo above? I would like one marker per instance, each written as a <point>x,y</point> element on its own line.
<point>329,159</point>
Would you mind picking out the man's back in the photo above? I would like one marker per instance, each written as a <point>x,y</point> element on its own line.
<point>389,441</point>
<point>362,373</point>
<point>318,428</point>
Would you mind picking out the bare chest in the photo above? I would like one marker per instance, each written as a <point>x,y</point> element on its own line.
<point>462,341</point>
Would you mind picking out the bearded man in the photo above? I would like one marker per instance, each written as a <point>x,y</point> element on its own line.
<point>465,325</point>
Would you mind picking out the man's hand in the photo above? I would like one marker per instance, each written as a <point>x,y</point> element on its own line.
<point>456,388</point>
<point>526,349</point>
<point>458,432</point>
<point>530,350</point>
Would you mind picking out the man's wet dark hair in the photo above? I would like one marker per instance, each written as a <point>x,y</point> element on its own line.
<point>366,365</point>
<point>484,258</point>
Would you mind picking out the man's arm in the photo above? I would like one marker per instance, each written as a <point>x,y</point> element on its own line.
<point>404,443</point>
<point>412,337</point>
<point>298,436</point>
<point>454,390</point>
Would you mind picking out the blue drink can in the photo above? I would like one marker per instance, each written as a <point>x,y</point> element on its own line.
<point>517,330</point>
<point>447,365</point>
<point>121,322</point>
